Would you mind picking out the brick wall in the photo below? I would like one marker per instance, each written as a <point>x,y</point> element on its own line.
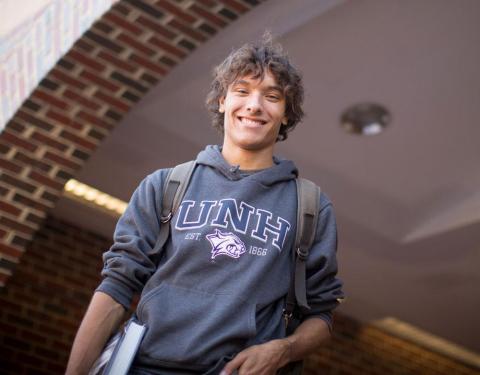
<point>43,303</point>
<point>81,100</point>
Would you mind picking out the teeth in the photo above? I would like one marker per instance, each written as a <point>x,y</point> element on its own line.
<point>251,122</point>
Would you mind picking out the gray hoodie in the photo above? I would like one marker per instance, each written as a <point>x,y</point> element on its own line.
<point>219,284</point>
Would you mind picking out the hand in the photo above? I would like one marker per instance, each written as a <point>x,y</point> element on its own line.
<point>264,359</point>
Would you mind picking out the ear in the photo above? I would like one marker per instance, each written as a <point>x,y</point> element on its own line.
<point>221,105</point>
<point>284,120</point>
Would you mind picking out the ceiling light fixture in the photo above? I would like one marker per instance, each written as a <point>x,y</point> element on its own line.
<point>88,195</point>
<point>365,119</point>
<point>426,339</point>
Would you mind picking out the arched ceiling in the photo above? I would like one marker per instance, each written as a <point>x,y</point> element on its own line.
<point>407,200</point>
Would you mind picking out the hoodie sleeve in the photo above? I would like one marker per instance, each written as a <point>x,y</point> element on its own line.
<point>324,289</point>
<point>129,263</point>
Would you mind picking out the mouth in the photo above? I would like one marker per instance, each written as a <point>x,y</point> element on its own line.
<point>251,121</point>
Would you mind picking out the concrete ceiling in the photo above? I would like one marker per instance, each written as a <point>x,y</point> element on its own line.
<point>407,201</point>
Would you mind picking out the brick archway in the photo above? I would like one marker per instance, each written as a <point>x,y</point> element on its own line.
<point>76,106</point>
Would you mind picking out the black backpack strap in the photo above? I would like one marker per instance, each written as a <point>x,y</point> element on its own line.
<point>308,195</point>
<point>173,192</point>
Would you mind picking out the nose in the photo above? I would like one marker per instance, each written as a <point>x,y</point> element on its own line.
<point>254,104</point>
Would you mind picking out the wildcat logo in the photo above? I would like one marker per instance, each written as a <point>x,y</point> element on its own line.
<point>226,244</point>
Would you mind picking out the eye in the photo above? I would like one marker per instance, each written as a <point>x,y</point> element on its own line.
<point>273,98</point>
<point>242,91</point>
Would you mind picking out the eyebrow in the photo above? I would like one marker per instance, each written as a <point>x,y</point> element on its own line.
<point>269,88</point>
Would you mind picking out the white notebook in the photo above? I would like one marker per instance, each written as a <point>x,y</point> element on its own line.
<point>126,349</point>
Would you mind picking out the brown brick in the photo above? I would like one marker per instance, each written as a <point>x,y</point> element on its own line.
<point>12,167</point>
<point>50,99</point>
<point>155,26</point>
<point>17,183</point>
<point>121,22</point>
<point>187,44</point>
<point>123,65</point>
<point>99,81</point>
<point>138,46</point>
<point>46,353</point>
<point>48,181</point>
<point>85,60</point>
<point>80,155</point>
<point>10,208</point>
<point>49,84</point>
<point>31,162</point>
<point>207,15</point>
<point>205,27</point>
<point>35,219</point>
<point>148,64</point>
<point>142,6</point>
<point>15,126</point>
<point>80,99</point>
<point>180,13</point>
<point>105,42</point>
<point>49,196</point>
<point>32,337</point>
<point>84,45</point>
<point>81,141</point>
<point>112,101</point>
<point>10,251</point>
<point>30,202</point>
<point>67,78</point>
<point>4,148</point>
<point>121,8</point>
<point>167,61</point>
<point>94,120</point>
<point>17,141</point>
<point>58,117</point>
<point>8,329</point>
<point>61,160</point>
<point>207,3</point>
<point>32,120</point>
<point>167,47</point>
<point>32,105</point>
<point>42,138</point>
<point>235,5</point>
<point>103,27</point>
<point>15,343</point>
<point>187,30</point>
<point>229,14</point>
<point>20,241</point>
<point>17,226</point>
<point>55,368</point>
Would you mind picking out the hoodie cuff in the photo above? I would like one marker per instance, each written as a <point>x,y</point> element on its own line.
<point>118,292</point>
<point>326,316</point>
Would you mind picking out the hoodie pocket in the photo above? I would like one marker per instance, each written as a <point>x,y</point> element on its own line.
<point>192,326</point>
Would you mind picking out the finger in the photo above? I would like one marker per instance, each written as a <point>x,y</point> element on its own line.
<point>234,364</point>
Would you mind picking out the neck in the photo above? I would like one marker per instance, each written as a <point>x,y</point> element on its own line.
<point>248,159</point>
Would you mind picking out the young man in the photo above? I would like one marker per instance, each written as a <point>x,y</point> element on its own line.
<point>213,299</point>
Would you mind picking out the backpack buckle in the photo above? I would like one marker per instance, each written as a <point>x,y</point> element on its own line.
<point>166,219</point>
<point>302,254</point>
<point>286,317</point>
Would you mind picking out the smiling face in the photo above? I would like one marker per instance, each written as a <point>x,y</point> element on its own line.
<point>254,110</point>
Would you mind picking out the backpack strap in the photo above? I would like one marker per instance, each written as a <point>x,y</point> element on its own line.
<point>173,192</point>
<point>307,217</point>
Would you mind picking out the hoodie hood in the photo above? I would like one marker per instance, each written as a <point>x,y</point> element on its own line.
<point>282,170</point>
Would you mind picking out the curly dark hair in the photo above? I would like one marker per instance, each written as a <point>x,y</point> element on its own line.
<point>256,59</point>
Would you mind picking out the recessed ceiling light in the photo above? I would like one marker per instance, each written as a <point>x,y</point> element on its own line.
<point>365,119</point>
